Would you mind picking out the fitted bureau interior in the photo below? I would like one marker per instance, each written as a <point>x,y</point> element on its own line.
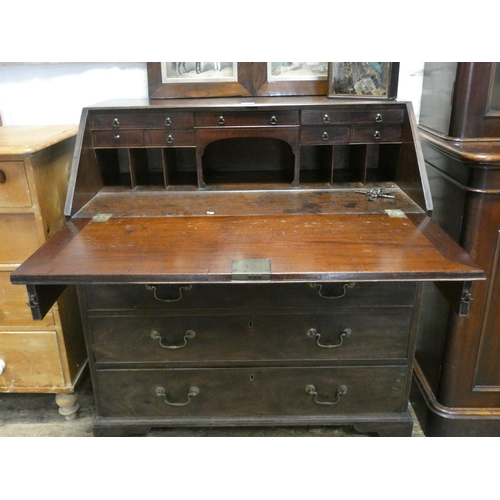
<point>192,146</point>
<point>249,161</point>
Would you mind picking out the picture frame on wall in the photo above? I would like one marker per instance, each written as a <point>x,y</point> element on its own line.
<point>199,79</point>
<point>366,80</point>
<point>290,78</point>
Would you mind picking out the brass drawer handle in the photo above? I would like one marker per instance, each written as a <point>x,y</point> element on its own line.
<point>116,137</point>
<point>312,332</point>
<point>326,119</point>
<point>168,122</point>
<point>189,335</point>
<point>116,123</point>
<point>341,391</point>
<point>170,139</point>
<point>162,393</point>
<point>181,289</point>
<point>378,118</point>
<point>345,286</point>
<point>273,120</point>
<point>221,120</point>
<point>325,136</point>
<point>377,135</point>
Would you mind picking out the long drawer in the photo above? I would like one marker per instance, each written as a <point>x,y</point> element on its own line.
<point>244,392</point>
<point>14,191</point>
<point>32,361</point>
<point>14,311</point>
<point>248,295</point>
<point>252,337</point>
<point>20,237</point>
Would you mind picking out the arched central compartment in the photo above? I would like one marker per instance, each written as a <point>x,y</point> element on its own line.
<point>248,160</point>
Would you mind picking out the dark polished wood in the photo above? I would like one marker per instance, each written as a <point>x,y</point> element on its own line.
<point>323,204</point>
<point>458,369</point>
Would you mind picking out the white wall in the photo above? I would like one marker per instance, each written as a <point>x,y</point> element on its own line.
<point>55,93</point>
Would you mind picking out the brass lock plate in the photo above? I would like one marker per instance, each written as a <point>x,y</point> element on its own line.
<point>251,270</point>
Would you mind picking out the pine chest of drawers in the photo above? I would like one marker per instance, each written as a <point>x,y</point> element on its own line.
<point>36,356</point>
<point>255,264</point>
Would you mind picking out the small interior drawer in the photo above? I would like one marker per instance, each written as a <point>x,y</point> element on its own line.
<point>324,135</point>
<point>367,115</point>
<point>376,133</point>
<point>169,138</point>
<point>14,190</point>
<point>247,119</point>
<point>152,119</point>
<point>219,392</point>
<point>117,138</point>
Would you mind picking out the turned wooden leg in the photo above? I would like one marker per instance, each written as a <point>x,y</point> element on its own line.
<point>68,405</point>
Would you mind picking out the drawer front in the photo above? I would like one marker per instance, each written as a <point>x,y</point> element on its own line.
<point>247,296</point>
<point>207,339</point>
<point>240,392</point>
<point>375,115</point>
<point>24,240</point>
<point>324,135</point>
<point>174,119</point>
<point>31,361</point>
<point>14,310</point>
<point>169,138</point>
<point>259,118</point>
<point>117,138</point>
<point>14,190</point>
<point>376,134</point>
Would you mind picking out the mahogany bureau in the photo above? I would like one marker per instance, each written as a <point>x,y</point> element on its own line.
<point>36,356</point>
<point>249,262</point>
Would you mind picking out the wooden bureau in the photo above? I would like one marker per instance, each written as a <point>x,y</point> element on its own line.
<point>49,355</point>
<point>249,262</point>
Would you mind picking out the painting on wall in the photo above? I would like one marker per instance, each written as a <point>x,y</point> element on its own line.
<point>168,80</point>
<point>191,72</point>
<point>377,80</point>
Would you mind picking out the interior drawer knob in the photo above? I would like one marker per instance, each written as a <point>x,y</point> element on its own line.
<point>162,393</point>
<point>325,136</point>
<point>273,120</point>
<point>168,122</point>
<point>341,391</point>
<point>378,118</point>
<point>116,122</point>
<point>2,366</point>
<point>221,120</point>
<point>313,333</point>
<point>170,139</point>
<point>189,335</point>
<point>326,119</point>
<point>377,135</point>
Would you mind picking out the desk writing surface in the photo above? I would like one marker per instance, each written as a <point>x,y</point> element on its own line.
<point>335,247</point>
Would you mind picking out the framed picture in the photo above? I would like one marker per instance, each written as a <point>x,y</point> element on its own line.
<point>199,79</point>
<point>290,78</point>
<point>374,80</point>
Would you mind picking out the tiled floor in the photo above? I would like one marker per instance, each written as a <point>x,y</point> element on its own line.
<point>32,415</point>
